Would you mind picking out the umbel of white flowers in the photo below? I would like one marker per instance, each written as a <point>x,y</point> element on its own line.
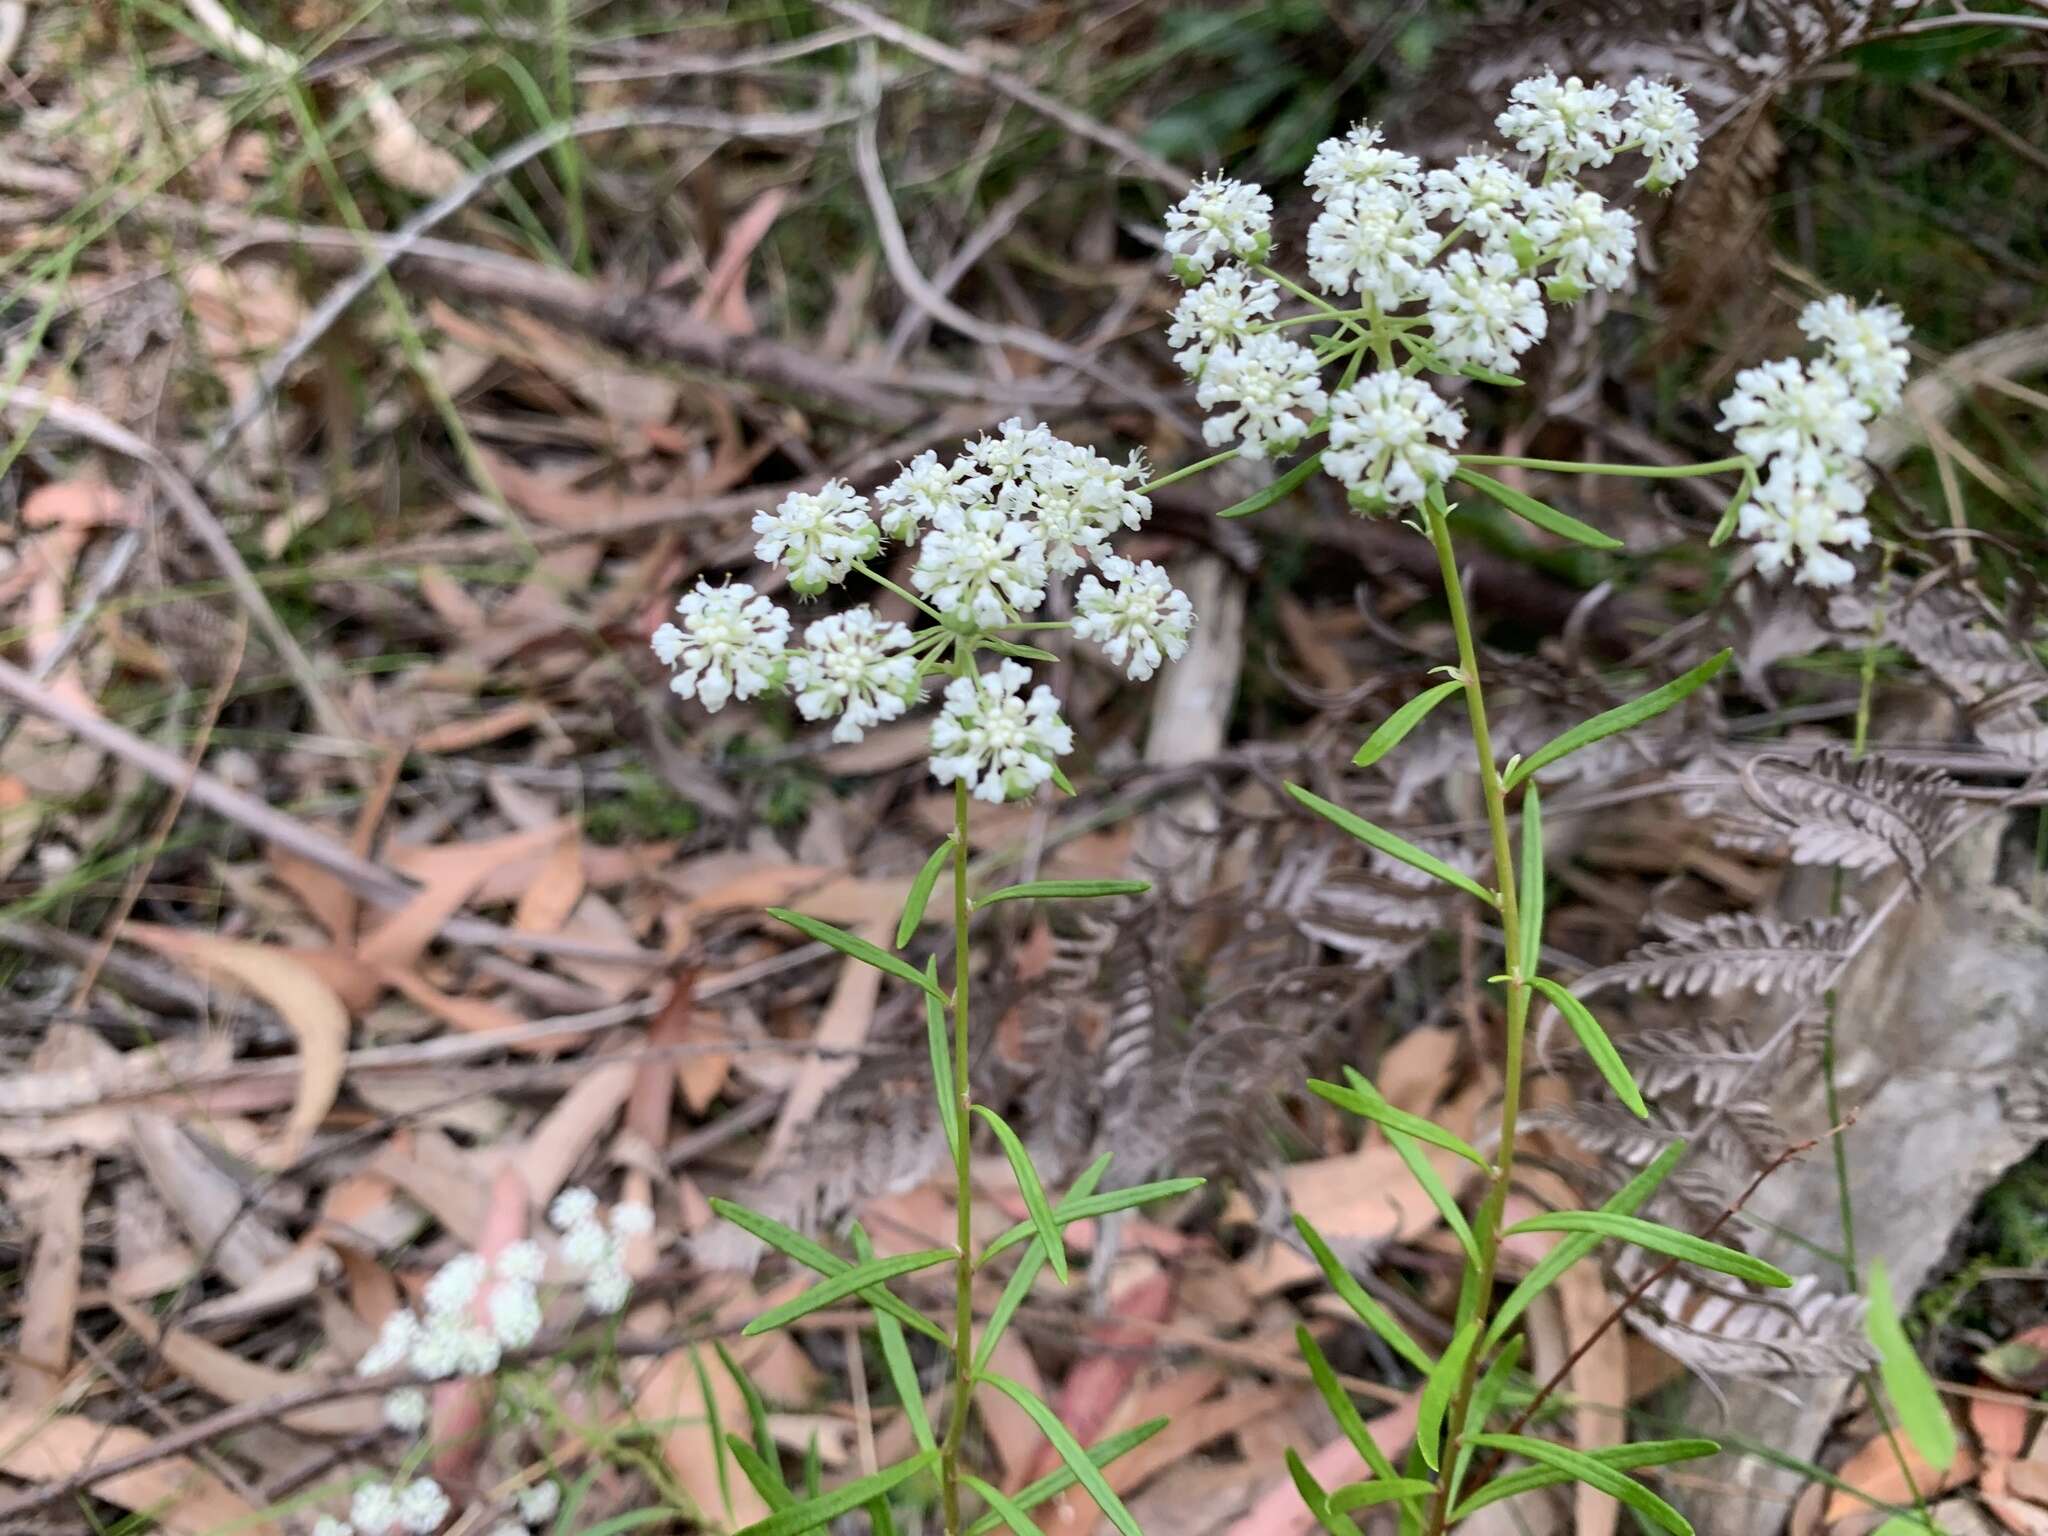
<point>1448,270</point>
<point>993,531</point>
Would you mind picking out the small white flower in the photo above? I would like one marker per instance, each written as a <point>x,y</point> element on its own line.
<point>851,667</point>
<point>1390,439</point>
<point>1220,313</point>
<point>728,646</point>
<point>1219,217</point>
<point>1482,310</point>
<point>993,739</point>
<point>1665,128</point>
<point>1866,345</point>
<point>629,1217</point>
<point>509,1528</point>
<point>514,1310</point>
<point>1480,192</point>
<point>572,1208</point>
<point>327,1525</point>
<point>587,1245</point>
<point>456,1284</point>
<point>1808,414</point>
<point>607,1288</point>
<point>525,1261</point>
<point>1076,500</point>
<point>1590,242</point>
<point>1271,386</point>
<point>817,536</point>
<point>925,489</point>
<point>443,1347</point>
<point>1373,242</point>
<point>539,1503</point>
<point>1571,124</point>
<point>406,1409</point>
<point>478,1350</point>
<point>1358,160</point>
<point>395,1340</point>
<point>982,563</point>
<point>1794,519</point>
<point>1141,620</point>
<point>1011,454</point>
<point>422,1506</point>
<point>374,1509</point>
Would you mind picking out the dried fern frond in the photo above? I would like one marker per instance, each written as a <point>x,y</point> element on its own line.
<point>1712,1060</point>
<point>1862,814</point>
<point>1731,1330</point>
<point>1734,951</point>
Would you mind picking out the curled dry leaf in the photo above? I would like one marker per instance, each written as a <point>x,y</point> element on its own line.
<point>232,1379</point>
<point>181,1498</point>
<point>307,1005</point>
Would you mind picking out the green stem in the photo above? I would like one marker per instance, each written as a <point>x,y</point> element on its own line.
<point>1637,471</point>
<point>1186,470</point>
<point>909,597</point>
<point>963,1189</point>
<point>1488,1226</point>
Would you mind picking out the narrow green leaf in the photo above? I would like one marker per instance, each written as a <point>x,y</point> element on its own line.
<point>1085,1471</point>
<point>633,1520</point>
<point>1409,1517</point>
<point>1107,1203</point>
<point>1060,782</point>
<point>1365,1495</point>
<point>1729,514</point>
<point>880,1521</point>
<point>1529,905</point>
<point>1489,376</point>
<point>1618,719</point>
<point>1318,1502</point>
<point>807,1253</point>
<point>1061,1478</point>
<point>1016,648</point>
<point>1543,515</point>
<point>921,892</point>
<point>942,1058</point>
<point>1543,1274</point>
<point>1341,1407</point>
<point>1622,1458</point>
<point>717,1429</point>
<point>859,1278</point>
<point>1005,1508</point>
<point>1486,1396</point>
<point>856,948</point>
<point>763,1474</point>
<point>1033,1192</point>
<point>1420,1169</point>
<point>827,1507</point>
<point>1599,1049</point>
<point>1907,1386</point>
<point>814,1468</point>
<point>757,1409</point>
<point>1393,847</point>
<point>1658,1239</point>
<point>1355,1296</point>
<point>1281,488</point>
<point>1026,1272</point>
<point>1438,1391</point>
<point>896,1355</point>
<point>1369,1102</point>
<point>1586,1469</point>
<point>1063,890</point>
<point>1396,726</point>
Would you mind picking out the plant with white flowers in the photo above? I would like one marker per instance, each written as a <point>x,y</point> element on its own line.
<point>987,540</point>
<point>1420,282</point>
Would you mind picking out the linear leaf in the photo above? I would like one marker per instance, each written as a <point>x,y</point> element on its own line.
<point>1085,1471</point>
<point>1438,1391</point>
<point>1623,1458</point>
<point>762,1473</point>
<point>1063,890</point>
<point>1108,1203</point>
<point>1033,1192</point>
<point>757,1409</point>
<point>859,1278</point>
<point>1906,1382</point>
<point>827,1507</point>
<point>807,1253</point>
<point>1005,1508</point>
<point>1486,1397</point>
<point>1396,726</point>
<point>921,893</point>
<point>1368,1102</point>
<point>1355,1296</point>
<point>1586,1469</point>
<point>1393,847</point>
<point>1543,1274</point>
<point>1439,1193</point>
<point>1529,905</point>
<point>1658,1239</point>
<point>855,947</point>
<point>1061,1478</point>
<point>1318,1502</point>
<point>1542,514</point>
<point>1026,1272</point>
<point>1618,719</point>
<point>1341,1407</point>
<point>1365,1495</point>
<point>942,1059</point>
<point>715,1427</point>
<point>896,1355</point>
<point>1599,1049</point>
<point>1285,486</point>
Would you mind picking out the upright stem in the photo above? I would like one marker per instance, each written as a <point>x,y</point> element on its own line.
<point>963,1189</point>
<point>1487,1229</point>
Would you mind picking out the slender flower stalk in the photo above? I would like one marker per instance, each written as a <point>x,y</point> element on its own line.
<point>963,1183</point>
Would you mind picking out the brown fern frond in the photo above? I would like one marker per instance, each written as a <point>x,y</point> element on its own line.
<point>1728,1329</point>
<point>1734,951</point>
<point>1861,814</point>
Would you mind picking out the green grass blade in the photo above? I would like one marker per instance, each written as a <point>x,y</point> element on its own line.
<point>827,1507</point>
<point>1318,1502</point>
<point>1365,1495</point>
<point>921,892</point>
<point>1026,1272</point>
<point>854,947</point>
<point>896,1354</point>
<point>1060,1479</point>
<point>757,1408</point>
<point>762,1473</point>
<point>1395,728</point>
<point>1284,486</point>
<point>1438,1391</point>
<point>715,1427</point>
<point>1542,514</point>
<point>1355,1296</point>
<point>1085,1471</point>
<point>1033,1192</point>
<point>1658,1239</point>
<point>1341,1407</point>
<point>1622,1458</point>
<point>1006,1510</point>
<point>1063,890</point>
<point>1367,1101</point>
<point>1439,1192</point>
<point>1586,1469</point>
<point>1486,1397</point>
<point>859,1278</point>
<point>1108,1203</point>
<point>1599,1049</point>
<point>1529,906</point>
<point>809,1254</point>
<point>1618,719</point>
<point>1907,1386</point>
<point>1393,847</point>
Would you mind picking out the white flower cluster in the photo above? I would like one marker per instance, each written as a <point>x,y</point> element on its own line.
<point>536,1506</point>
<point>383,1509</point>
<point>991,530</point>
<point>1450,266</point>
<point>1806,425</point>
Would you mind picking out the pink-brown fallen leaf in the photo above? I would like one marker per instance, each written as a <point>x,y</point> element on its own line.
<point>1279,1510</point>
<point>557,887</point>
<point>49,1293</point>
<point>724,296</point>
<point>347,977</point>
<point>573,1127</point>
<point>178,1496</point>
<point>467,735</point>
<point>478,1016</point>
<point>320,891</point>
<point>2028,1478</point>
<point>1189,1428</point>
<point>670,1399</point>
<point>1009,1427</point>
<point>1875,1473</point>
<point>2016,1515</point>
<point>2000,1424</point>
<point>1111,1357</point>
<point>232,1379</point>
<point>841,1027</point>
<point>450,875</point>
<point>1599,1387</point>
<point>462,1409</point>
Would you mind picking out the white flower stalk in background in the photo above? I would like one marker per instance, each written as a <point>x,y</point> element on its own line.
<point>729,646</point>
<point>852,667</point>
<point>1219,218</point>
<point>1140,620</point>
<point>1220,313</point>
<point>993,738</point>
<point>1271,387</point>
<point>1390,441</point>
<point>818,537</point>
